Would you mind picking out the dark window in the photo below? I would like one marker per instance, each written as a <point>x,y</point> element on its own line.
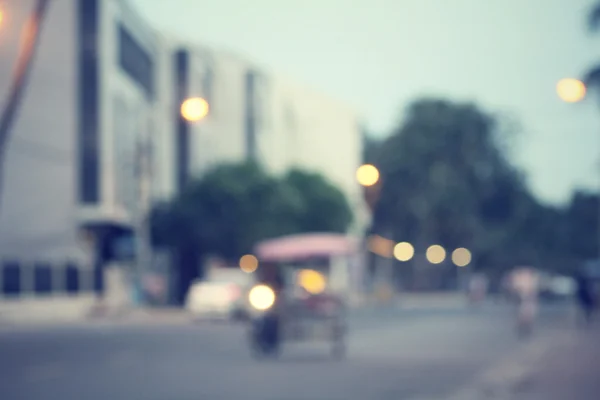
<point>136,62</point>
<point>11,278</point>
<point>181,88</point>
<point>72,278</point>
<point>42,274</point>
<point>250,116</point>
<point>88,92</point>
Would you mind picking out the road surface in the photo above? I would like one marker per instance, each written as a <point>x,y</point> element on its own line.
<point>392,355</point>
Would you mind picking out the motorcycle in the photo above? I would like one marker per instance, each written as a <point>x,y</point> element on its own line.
<point>265,326</point>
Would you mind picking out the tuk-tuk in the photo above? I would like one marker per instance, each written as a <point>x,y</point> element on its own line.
<point>295,298</point>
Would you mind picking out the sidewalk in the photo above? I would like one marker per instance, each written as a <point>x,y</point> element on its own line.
<point>82,310</point>
<point>570,371</point>
<point>564,365</point>
<point>148,316</point>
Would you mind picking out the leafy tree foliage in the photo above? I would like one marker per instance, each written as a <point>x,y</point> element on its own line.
<point>234,206</point>
<point>446,179</point>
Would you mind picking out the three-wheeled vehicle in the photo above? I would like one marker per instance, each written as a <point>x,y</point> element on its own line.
<point>299,293</point>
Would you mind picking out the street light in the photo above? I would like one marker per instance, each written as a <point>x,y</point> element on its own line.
<point>461,257</point>
<point>367,175</point>
<point>571,90</point>
<point>435,254</point>
<point>194,109</point>
<point>248,263</point>
<point>404,251</point>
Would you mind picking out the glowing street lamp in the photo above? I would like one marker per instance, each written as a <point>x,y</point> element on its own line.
<point>461,257</point>
<point>367,175</point>
<point>248,263</point>
<point>404,251</point>
<point>571,90</point>
<point>436,254</point>
<point>194,109</point>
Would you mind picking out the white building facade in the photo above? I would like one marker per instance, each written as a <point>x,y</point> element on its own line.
<point>105,88</point>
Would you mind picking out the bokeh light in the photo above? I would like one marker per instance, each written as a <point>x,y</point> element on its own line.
<point>194,109</point>
<point>404,251</point>
<point>381,246</point>
<point>248,263</point>
<point>461,257</point>
<point>570,90</point>
<point>367,175</point>
<point>435,254</point>
<point>261,297</point>
<point>312,281</point>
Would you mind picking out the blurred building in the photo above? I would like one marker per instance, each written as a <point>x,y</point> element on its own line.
<point>107,88</point>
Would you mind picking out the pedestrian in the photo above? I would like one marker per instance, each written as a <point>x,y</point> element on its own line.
<point>525,283</point>
<point>586,297</point>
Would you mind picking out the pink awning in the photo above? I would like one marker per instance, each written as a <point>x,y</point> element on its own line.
<point>299,247</point>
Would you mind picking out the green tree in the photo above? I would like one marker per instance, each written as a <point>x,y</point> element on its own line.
<point>447,180</point>
<point>234,206</point>
<point>582,226</point>
<point>325,208</point>
<point>228,210</point>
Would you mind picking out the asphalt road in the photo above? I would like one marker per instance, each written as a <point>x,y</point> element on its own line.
<point>392,355</point>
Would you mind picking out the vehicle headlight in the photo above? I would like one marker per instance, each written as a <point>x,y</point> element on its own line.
<point>261,297</point>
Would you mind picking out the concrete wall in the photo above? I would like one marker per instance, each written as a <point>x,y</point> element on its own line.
<point>38,206</point>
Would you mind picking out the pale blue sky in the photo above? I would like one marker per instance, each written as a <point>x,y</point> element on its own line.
<point>378,55</point>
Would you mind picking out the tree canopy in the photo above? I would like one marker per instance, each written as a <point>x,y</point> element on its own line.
<point>446,179</point>
<point>234,206</point>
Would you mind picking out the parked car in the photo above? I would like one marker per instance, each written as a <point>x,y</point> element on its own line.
<point>222,295</point>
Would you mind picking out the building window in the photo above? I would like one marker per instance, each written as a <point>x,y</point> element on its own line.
<point>11,278</point>
<point>72,277</point>
<point>89,100</point>
<point>136,61</point>
<point>42,278</point>
<point>182,155</point>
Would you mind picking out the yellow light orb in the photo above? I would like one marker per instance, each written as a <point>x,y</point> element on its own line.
<point>248,263</point>
<point>314,282</point>
<point>194,109</point>
<point>571,90</point>
<point>381,246</point>
<point>261,297</point>
<point>435,254</point>
<point>404,251</point>
<point>461,257</point>
<point>367,175</point>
